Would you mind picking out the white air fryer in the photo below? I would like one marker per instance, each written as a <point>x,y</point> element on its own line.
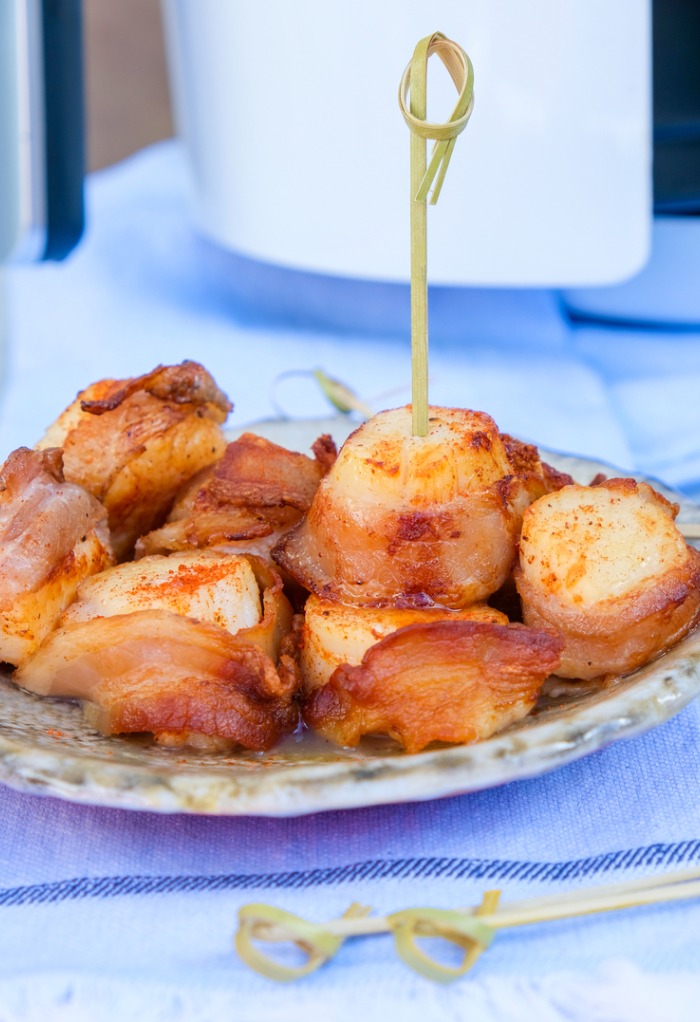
<point>299,156</point>
<point>299,153</point>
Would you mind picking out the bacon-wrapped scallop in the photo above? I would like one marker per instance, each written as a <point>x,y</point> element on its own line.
<point>402,520</point>
<point>605,567</point>
<point>193,648</point>
<point>336,634</point>
<point>53,534</point>
<point>134,443</point>
<point>450,680</point>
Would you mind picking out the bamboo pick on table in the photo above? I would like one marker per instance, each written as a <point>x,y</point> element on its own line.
<point>471,929</point>
<point>425,176</point>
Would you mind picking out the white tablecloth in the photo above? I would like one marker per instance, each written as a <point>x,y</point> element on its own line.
<point>111,914</point>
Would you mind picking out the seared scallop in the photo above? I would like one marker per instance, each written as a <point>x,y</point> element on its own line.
<point>606,568</point>
<point>221,589</point>
<point>402,520</point>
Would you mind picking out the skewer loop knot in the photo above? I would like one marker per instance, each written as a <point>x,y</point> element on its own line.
<point>412,91</point>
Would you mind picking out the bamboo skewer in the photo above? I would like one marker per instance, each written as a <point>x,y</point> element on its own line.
<point>419,245</point>
<point>471,928</point>
<point>425,177</point>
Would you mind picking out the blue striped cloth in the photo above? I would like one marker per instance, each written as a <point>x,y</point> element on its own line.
<point>491,871</point>
<point>109,914</point>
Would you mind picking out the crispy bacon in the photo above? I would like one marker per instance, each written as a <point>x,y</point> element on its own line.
<point>177,678</point>
<point>335,633</point>
<point>256,491</point>
<point>135,443</point>
<point>53,534</point>
<point>255,472</point>
<point>187,383</point>
<point>539,477</point>
<point>448,681</point>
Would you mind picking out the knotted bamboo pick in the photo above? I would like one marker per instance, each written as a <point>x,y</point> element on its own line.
<point>413,88</point>
<point>471,930</point>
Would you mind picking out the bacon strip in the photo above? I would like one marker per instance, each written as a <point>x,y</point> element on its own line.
<point>449,681</point>
<point>42,517</point>
<point>52,535</point>
<point>255,472</point>
<point>154,671</point>
<point>255,492</point>
<point>537,476</point>
<point>187,383</point>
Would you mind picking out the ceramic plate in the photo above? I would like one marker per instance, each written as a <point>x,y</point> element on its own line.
<point>46,747</point>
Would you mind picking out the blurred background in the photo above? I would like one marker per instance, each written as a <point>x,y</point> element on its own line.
<point>126,86</point>
<point>129,106</point>
<point>552,228</point>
